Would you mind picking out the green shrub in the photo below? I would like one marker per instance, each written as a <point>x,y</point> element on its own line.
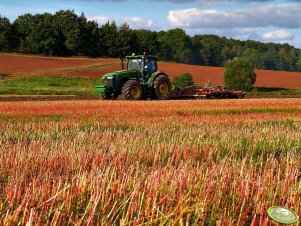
<point>183,80</point>
<point>239,74</point>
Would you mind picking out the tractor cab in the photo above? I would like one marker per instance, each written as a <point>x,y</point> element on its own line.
<point>143,63</point>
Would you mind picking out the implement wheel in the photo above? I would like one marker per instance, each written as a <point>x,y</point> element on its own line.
<point>162,87</point>
<point>132,90</point>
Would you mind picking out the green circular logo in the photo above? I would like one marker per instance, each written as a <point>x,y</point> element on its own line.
<point>282,215</point>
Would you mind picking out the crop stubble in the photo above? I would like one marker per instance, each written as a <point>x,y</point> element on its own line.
<point>196,162</point>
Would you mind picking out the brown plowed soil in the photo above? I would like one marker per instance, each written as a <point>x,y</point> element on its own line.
<point>265,78</point>
<point>95,68</point>
<point>10,64</point>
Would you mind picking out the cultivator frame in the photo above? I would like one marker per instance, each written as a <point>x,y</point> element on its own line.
<point>214,92</point>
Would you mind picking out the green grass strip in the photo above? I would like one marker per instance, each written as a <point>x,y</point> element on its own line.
<point>50,86</point>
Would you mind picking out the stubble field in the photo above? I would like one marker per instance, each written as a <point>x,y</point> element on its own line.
<point>217,162</point>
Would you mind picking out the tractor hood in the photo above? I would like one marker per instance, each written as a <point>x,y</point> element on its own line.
<point>119,73</point>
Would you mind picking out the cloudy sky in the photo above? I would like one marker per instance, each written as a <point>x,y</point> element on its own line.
<point>264,20</point>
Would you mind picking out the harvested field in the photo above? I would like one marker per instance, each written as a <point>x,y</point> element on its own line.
<point>19,65</point>
<point>217,162</point>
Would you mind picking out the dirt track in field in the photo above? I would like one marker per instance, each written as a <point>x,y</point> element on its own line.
<point>95,68</point>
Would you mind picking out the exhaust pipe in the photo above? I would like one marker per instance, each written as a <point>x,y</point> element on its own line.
<point>121,62</point>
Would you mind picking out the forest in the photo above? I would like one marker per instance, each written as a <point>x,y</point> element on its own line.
<point>65,33</point>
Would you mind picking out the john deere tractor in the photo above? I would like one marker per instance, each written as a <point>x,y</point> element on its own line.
<point>139,80</point>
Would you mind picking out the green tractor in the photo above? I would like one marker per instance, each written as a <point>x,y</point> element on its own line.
<point>140,80</point>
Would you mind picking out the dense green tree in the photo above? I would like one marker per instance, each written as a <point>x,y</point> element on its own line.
<point>271,58</point>
<point>89,37</point>
<point>145,41</point>
<point>165,52</point>
<point>299,63</point>
<point>212,54</point>
<point>211,50</point>
<point>237,49</point>
<point>175,45</point>
<point>65,34</point>
<point>5,34</point>
<point>109,38</point>
<point>67,26</point>
<point>125,37</point>
<point>253,56</point>
<point>227,53</point>
<point>183,80</point>
<point>196,54</point>
<point>40,39</point>
<point>239,74</point>
<point>293,55</point>
<point>23,27</point>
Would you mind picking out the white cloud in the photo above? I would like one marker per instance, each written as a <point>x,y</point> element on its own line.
<point>278,35</point>
<point>100,19</point>
<point>133,22</point>
<point>140,22</point>
<point>277,15</point>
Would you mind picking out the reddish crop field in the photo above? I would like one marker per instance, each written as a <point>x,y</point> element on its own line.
<point>85,67</point>
<point>12,64</point>
<point>201,162</point>
<point>265,78</point>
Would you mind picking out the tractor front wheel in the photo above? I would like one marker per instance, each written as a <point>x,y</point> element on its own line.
<point>104,96</point>
<point>132,90</point>
<point>162,87</point>
<point>107,96</point>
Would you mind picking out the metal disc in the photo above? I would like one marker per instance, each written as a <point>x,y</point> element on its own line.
<point>282,215</point>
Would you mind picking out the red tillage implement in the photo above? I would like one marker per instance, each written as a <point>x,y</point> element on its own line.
<point>215,92</point>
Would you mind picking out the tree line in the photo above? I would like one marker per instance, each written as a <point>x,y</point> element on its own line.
<point>67,34</point>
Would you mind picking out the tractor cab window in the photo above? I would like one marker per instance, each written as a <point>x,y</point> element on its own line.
<point>150,66</point>
<point>135,64</point>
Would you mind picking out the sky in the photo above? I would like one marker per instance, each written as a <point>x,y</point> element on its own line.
<point>276,21</point>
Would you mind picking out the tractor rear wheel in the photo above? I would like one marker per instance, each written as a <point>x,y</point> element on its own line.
<point>162,87</point>
<point>132,90</point>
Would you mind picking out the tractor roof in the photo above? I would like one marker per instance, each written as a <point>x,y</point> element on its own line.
<point>142,56</point>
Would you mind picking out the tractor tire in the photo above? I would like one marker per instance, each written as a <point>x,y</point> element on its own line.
<point>104,96</point>
<point>132,90</point>
<point>162,88</point>
<point>107,96</point>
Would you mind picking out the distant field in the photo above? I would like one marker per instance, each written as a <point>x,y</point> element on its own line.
<point>16,68</point>
<point>11,64</point>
